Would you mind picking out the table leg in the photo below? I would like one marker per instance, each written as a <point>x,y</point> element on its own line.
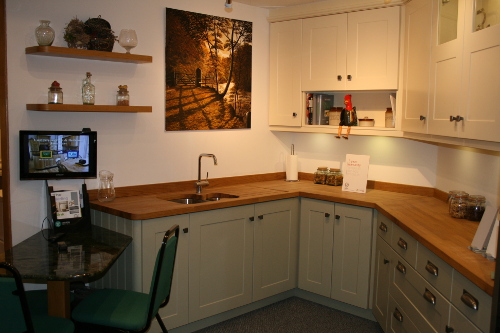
<point>58,294</point>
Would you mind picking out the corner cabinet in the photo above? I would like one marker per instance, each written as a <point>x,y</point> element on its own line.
<point>333,54</point>
<point>336,251</point>
<point>65,52</point>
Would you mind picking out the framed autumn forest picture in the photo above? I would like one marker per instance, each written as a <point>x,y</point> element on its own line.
<point>208,67</point>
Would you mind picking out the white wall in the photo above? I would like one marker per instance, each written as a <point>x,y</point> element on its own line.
<point>135,146</point>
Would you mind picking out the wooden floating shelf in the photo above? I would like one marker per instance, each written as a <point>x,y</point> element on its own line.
<point>66,52</point>
<point>88,108</point>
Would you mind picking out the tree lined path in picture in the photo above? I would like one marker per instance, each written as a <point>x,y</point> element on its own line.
<point>198,108</point>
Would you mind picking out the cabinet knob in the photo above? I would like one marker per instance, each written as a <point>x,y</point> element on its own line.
<point>349,77</point>
<point>251,218</point>
<point>422,117</point>
<point>185,230</point>
<point>294,114</point>
<point>386,261</point>
<point>327,214</point>
<point>339,77</point>
<point>457,118</point>
<point>261,217</point>
<point>337,217</point>
<point>449,329</point>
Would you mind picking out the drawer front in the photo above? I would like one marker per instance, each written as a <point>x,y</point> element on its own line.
<point>428,306</point>
<point>384,227</point>
<point>404,245</point>
<point>437,272</point>
<point>460,324</point>
<point>474,303</point>
<point>398,321</point>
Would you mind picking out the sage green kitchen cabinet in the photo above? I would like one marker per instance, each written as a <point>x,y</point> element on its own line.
<point>175,314</point>
<point>276,245</point>
<point>382,272</point>
<point>336,251</point>
<point>241,254</point>
<point>220,260</point>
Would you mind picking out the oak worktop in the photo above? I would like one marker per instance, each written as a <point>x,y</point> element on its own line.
<point>422,215</point>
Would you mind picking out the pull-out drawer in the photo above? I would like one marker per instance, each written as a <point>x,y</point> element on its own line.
<point>384,228</point>
<point>398,320</point>
<point>425,304</point>
<point>438,273</point>
<point>404,245</point>
<point>473,302</point>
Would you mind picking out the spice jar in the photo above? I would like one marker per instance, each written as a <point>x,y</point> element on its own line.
<point>122,96</point>
<point>320,175</point>
<point>334,177</point>
<point>458,204</point>
<point>55,93</point>
<point>475,207</point>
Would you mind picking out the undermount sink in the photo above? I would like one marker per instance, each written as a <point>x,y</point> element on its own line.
<point>189,199</point>
<point>218,196</point>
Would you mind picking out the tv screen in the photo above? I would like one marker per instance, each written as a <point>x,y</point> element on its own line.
<point>58,154</point>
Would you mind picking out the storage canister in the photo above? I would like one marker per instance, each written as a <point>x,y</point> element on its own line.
<point>320,175</point>
<point>475,207</point>
<point>334,177</point>
<point>389,118</point>
<point>366,122</point>
<point>458,204</point>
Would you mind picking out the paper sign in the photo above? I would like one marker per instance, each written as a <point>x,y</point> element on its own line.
<point>356,173</point>
<point>67,204</point>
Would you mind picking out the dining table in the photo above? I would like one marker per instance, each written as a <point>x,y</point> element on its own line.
<point>81,255</point>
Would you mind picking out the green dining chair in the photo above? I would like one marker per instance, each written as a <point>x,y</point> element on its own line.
<point>15,314</point>
<point>131,311</point>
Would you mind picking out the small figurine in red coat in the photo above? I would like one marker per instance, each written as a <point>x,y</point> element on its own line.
<point>347,117</point>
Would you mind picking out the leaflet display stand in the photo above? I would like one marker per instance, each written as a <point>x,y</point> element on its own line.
<point>65,213</point>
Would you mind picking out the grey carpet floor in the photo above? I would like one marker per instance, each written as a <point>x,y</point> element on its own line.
<point>295,315</point>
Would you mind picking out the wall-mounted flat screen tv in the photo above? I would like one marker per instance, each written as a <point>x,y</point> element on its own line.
<point>58,154</point>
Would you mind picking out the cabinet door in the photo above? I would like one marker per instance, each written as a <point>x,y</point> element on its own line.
<point>316,244</point>
<point>382,270</point>
<point>417,64</point>
<point>175,314</point>
<point>285,106</point>
<point>324,42</point>
<point>446,71</point>
<point>481,73</point>
<point>220,261</point>
<point>275,247</point>
<point>373,49</point>
<point>352,244</point>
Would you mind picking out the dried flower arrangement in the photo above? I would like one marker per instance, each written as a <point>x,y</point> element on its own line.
<point>75,35</point>
<point>94,34</point>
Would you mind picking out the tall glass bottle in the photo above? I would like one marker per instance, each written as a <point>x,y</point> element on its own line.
<point>88,91</point>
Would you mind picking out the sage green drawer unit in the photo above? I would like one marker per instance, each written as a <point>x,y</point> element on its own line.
<point>460,324</point>
<point>384,227</point>
<point>404,245</point>
<point>437,272</point>
<point>398,320</point>
<point>473,302</point>
<point>428,306</point>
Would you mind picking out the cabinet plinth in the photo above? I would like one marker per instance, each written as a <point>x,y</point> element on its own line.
<point>66,52</point>
<point>87,108</point>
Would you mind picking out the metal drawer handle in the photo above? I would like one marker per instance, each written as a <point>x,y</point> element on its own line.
<point>382,227</point>
<point>429,297</point>
<point>401,267</point>
<point>431,268</point>
<point>469,300</point>
<point>402,244</point>
<point>397,315</point>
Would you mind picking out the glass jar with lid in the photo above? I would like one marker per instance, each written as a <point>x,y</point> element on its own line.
<point>458,204</point>
<point>334,177</point>
<point>475,207</point>
<point>320,175</point>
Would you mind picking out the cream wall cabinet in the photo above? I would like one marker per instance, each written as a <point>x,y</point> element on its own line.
<point>418,292</point>
<point>285,98</point>
<point>335,251</point>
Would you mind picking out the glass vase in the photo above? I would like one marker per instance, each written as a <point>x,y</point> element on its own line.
<point>44,33</point>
